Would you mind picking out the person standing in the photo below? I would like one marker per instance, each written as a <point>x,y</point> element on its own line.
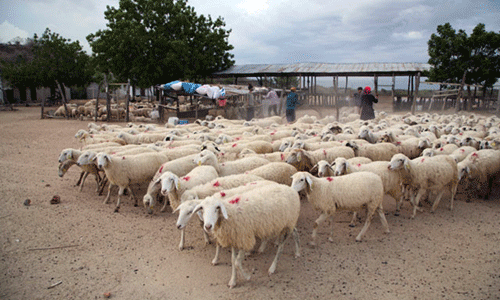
<point>357,100</point>
<point>273,102</point>
<point>250,103</point>
<point>291,103</point>
<point>367,100</point>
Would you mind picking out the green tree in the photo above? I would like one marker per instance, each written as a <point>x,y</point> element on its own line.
<point>48,60</point>
<point>453,54</point>
<point>151,42</point>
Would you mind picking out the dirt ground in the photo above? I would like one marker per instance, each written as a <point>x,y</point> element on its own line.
<point>132,255</point>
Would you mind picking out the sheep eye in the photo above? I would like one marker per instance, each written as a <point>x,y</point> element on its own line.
<point>190,212</point>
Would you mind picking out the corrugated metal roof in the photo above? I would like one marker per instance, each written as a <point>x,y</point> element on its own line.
<point>325,69</point>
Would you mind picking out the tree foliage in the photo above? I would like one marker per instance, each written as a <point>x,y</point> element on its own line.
<point>48,59</point>
<point>453,53</point>
<point>151,41</point>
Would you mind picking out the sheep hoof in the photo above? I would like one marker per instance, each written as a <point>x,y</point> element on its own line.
<point>150,211</point>
<point>352,225</point>
<point>330,240</point>
<point>396,214</point>
<point>358,241</point>
<point>135,205</point>
<point>215,262</point>
<point>117,209</point>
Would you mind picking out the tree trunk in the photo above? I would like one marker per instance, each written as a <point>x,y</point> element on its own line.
<point>33,94</point>
<point>63,95</point>
<point>108,99</point>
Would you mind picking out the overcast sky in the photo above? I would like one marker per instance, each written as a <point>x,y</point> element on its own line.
<point>282,31</point>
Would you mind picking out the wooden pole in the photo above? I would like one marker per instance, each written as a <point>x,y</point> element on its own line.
<point>108,99</point>
<point>127,102</point>
<point>460,89</point>
<point>498,102</point>
<point>97,102</point>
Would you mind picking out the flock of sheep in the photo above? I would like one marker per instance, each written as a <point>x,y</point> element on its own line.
<point>244,180</point>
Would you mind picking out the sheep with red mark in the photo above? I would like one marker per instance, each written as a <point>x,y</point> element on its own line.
<point>462,152</point>
<point>380,151</point>
<point>427,174</point>
<point>262,213</point>
<point>279,172</point>
<point>481,168</point>
<point>350,192</point>
<point>324,168</point>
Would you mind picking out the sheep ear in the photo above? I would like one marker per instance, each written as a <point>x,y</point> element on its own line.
<point>176,210</point>
<point>223,210</point>
<point>197,208</point>
<point>299,156</point>
<point>177,183</point>
<point>70,155</point>
<point>406,164</point>
<point>347,167</point>
<point>314,169</point>
<point>309,181</point>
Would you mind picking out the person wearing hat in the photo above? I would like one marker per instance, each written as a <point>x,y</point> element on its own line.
<point>291,103</point>
<point>367,100</point>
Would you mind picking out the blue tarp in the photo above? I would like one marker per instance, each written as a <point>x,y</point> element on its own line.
<point>189,87</point>
<point>167,86</point>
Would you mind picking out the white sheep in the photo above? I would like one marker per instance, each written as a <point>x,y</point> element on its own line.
<point>481,168</point>
<point>186,209</point>
<point>349,192</point>
<point>239,166</point>
<point>462,152</point>
<point>126,170</point>
<point>392,181</point>
<point>236,222</point>
<point>324,168</point>
<point>305,160</point>
<point>429,173</point>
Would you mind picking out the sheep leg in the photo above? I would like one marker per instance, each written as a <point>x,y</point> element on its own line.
<point>239,261</point>
<point>453,193</point>
<point>98,181</point>
<point>181,244</point>
<point>205,234</point>
<point>369,216</point>
<point>295,234</point>
<point>282,238</point>
<point>215,261</point>
<point>109,193</point>
<point>262,247</point>
<point>381,214</point>
<point>416,201</point>
<point>83,180</point>
<point>103,184</point>
<point>120,193</point>
<point>80,179</point>
<point>232,281</point>
<point>353,220</point>
<point>436,202</point>
<point>321,218</point>
<point>165,202</point>
<point>132,195</point>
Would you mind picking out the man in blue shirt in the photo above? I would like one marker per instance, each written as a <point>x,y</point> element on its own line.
<point>291,102</point>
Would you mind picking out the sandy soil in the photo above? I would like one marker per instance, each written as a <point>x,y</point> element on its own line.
<point>133,255</point>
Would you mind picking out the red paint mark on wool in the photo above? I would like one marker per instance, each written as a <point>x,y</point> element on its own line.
<point>475,154</point>
<point>462,150</point>
<point>186,178</point>
<point>222,194</point>
<point>272,133</point>
<point>329,179</point>
<point>112,153</point>
<point>253,183</point>
<point>161,169</point>
<point>282,156</point>
<point>238,138</point>
<point>324,151</point>
<point>123,157</point>
<point>441,149</point>
<point>234,145</point>
<point>422,160</point>
<point>234,201</point>
<point>461,133</point>
<point>216,183</point>
<point>398,143</point>
<point>359,165</point>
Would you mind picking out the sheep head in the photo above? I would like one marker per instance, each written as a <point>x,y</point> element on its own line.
<point>300,160</point>
<point>341,166</point>
<point>212,208</point>
<point>185,210</point>
<point>169,182</point>
<point>399,161</point>
<point>302,182</point>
